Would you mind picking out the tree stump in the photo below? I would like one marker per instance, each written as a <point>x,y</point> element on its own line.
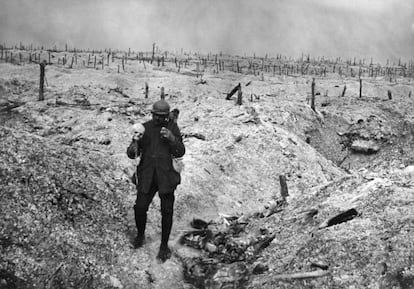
<point>146,90</point>
<point>283,187</point>
<point>239,95</point>
<point>162,93</point>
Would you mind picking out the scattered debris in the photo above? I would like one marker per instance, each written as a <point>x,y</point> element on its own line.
<point>364,146</point>
<point>233,91</point>
<point>118,90</point>
<point>199,224</point>
<point>202,82</point>
<point>302,275</point>
<point>196,135</point>
<point>226,247</point>
<point>341,218</point>
<point>319,265</point>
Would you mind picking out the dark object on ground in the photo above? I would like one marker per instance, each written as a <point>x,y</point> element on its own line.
<point>233,91</point>
<point>196,239</point>
<point>202,82</point>
<point>198,270</point>
<point>199,224</point>
<point>208,274</point>
<point>260,268</point>
<point>283,187</point>
<point>319,265</point>
<point>11,281</point>
<point>196,135</point>
<point>341,218</point>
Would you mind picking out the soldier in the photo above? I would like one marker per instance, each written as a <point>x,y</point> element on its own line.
<point>157,146</point>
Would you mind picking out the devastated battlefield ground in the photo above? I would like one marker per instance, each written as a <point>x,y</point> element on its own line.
<point>339,133</point>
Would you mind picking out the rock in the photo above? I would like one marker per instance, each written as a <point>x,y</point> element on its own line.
<point>211,247</point>
<point>409,170</point>
<point>115,282</point>
<point>105,141</point>
<point>234,275</point>
<point>260,268</point>
<point>364,146</point>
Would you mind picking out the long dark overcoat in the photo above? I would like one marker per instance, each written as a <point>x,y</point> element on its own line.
<point>156,157</point>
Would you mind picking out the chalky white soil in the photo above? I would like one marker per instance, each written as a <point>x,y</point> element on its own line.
<point>234,171</point>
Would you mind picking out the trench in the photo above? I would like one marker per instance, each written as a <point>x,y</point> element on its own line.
<point>333,139</point>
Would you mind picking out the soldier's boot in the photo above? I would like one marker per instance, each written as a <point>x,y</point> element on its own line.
<point>140,222</point>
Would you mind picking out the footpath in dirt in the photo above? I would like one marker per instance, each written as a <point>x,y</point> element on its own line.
<point>66,211</point>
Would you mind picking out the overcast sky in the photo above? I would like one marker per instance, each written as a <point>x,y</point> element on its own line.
<point>383,29</point>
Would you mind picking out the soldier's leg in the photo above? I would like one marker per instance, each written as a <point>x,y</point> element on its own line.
<point>141,206</point>
<point>167,209</point>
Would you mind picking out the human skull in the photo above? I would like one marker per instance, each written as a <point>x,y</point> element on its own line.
<point>138,130</point>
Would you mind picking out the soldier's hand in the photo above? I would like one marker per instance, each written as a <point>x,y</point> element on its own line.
<point>166,133</point>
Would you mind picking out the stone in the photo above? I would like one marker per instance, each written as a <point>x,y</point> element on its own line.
<point>364,146</point>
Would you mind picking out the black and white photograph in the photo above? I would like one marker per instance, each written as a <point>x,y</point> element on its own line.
<point>212,144</point>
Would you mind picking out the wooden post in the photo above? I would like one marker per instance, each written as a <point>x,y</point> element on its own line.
<point>233,91</point>
<point>162,92</point>
<point>153,52</point>
<point>102,60</point>
<point>118,68</point>
<point>123,64</point>
<point>283,187</point>
<point>42,80</point>
<point>343,92</point>
<point>389,95</point>
<point>360,87</point>
<point>409,94</point>
<point>313,95</point>
<point>239,96</point>
<point>94,62</point>
<point>49,57</point>
<point>146,89</point>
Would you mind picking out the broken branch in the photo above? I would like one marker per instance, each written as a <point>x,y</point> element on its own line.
<point>301,275</point>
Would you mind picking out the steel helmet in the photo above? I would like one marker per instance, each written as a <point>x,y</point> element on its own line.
<point>161,107</point>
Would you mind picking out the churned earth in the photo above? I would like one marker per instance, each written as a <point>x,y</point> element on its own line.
<point>66,211</point>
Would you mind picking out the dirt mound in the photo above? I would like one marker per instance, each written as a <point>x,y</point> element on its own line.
<point>67,214</point>
<point>55,204</point>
